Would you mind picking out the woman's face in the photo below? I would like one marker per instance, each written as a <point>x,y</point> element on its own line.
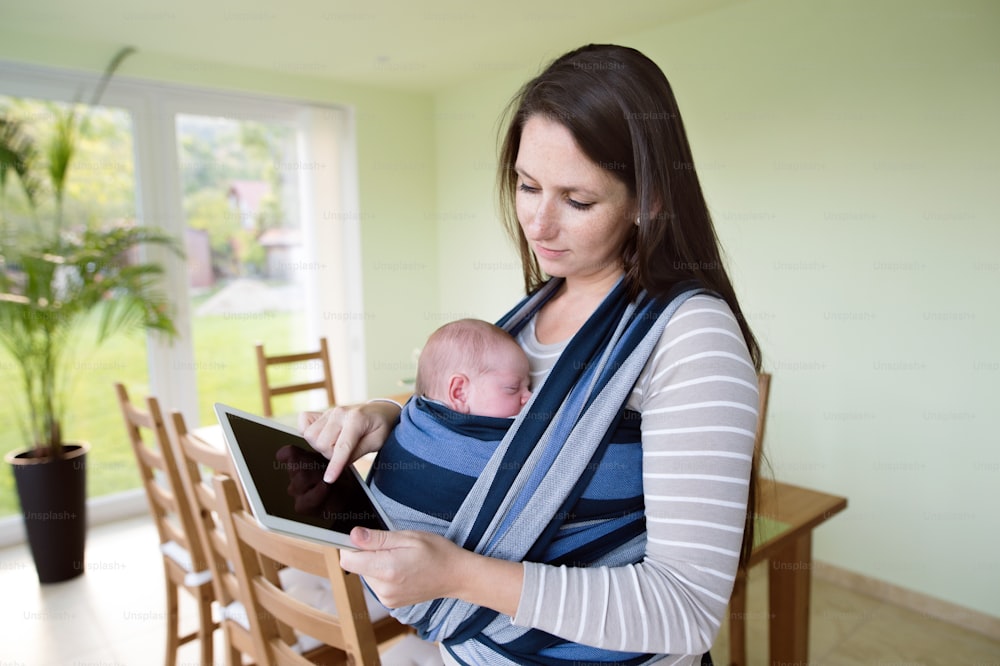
<point>575,215</point>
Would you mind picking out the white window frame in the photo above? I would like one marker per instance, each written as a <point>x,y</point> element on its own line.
<point>329,210</point>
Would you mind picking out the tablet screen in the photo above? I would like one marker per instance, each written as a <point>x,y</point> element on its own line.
<point>288,475</point>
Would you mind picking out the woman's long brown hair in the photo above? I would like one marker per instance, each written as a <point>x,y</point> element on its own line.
<point>620,108</point>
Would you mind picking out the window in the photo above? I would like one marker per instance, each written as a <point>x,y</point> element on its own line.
<point>253,186</point>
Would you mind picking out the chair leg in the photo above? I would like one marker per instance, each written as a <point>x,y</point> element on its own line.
<point>205,627</point>
<point>233,656</point>
<point>173,638</point>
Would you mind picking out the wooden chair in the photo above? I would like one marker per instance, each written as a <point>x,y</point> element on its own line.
<point>341,632</point>
<point>738,600</point>
<point>198,462</point>
<point>184,561</point>
<point>268,390</point>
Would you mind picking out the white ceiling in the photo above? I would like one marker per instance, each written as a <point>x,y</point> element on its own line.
<point>388,43</point>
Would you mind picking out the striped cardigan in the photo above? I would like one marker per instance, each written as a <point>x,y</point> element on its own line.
<point>595,588</point>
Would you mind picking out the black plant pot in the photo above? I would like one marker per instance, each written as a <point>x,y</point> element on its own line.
<point>53,495</point>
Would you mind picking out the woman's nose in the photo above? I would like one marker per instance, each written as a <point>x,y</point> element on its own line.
<point>541,220</point>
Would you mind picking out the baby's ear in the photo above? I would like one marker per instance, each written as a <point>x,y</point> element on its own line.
<point>458,393</point>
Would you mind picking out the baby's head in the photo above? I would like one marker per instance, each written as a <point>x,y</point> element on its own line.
<point>474,367</point>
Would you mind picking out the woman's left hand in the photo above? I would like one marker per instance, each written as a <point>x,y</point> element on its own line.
<point>409,567</point>
<point>403,567</point>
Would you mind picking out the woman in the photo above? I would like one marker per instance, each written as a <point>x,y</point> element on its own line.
<point>599,189</point>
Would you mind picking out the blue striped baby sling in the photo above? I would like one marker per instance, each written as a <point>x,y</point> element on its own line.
<point>559,484</point>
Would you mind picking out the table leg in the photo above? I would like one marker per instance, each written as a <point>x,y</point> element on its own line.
<point>737,621</point>
<point>789,579</point>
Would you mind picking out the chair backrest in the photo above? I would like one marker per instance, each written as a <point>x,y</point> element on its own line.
<point>160,474</point>
<point>198,462</point>
<point>269,607</point>
<point>269,390</point>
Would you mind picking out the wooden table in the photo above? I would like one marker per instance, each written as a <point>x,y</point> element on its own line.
<point>787,516</point>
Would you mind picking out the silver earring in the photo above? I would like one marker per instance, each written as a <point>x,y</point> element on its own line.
<point>637,221</point>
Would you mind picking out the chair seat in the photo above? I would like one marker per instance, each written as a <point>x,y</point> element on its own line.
<point>236,612</point>
<point>180,555</point>
<point>309,589</point>
<point>317,592</point>
<point>411,650</point>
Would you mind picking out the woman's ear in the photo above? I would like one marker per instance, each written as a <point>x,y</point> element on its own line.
<point>458,393</point>
<point>654,212</point>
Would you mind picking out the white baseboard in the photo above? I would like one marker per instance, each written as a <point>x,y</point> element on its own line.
<point>918,602</point>
<point>100,510</point>
<point>11,531</point>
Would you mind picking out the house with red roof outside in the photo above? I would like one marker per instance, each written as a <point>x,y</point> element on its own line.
<point>245,196</point>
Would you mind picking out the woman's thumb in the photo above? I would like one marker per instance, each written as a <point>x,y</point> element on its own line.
<point>368,539</point>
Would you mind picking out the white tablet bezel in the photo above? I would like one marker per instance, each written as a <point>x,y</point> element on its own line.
<point>259,511</point>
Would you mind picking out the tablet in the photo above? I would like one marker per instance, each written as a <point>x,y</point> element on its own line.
<point>282,477</point>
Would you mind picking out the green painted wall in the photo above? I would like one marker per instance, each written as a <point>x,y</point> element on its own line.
<point>479,271</point>
<point>850,154</point>
<point>395,179</point>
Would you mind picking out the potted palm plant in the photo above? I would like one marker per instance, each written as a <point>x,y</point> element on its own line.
<point>53,280</point>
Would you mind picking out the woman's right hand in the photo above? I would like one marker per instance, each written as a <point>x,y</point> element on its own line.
<point>344,434</point>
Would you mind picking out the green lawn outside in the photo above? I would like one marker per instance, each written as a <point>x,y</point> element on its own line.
<point>227,372</point>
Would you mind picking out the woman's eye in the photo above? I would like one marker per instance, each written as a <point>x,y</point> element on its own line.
<point>573,203</point>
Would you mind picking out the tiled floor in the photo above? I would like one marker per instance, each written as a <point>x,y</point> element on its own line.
<point>113,615</point>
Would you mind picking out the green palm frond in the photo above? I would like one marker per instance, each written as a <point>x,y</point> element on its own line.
<point>109,71</point>
<point>70,124</point>
<point>61,150</point>
<point>18,156</point>
<point>47,290</point>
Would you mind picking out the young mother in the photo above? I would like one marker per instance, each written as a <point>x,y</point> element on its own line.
<point>609,524</point>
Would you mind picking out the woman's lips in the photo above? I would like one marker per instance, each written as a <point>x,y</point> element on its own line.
<point>548,253</point>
